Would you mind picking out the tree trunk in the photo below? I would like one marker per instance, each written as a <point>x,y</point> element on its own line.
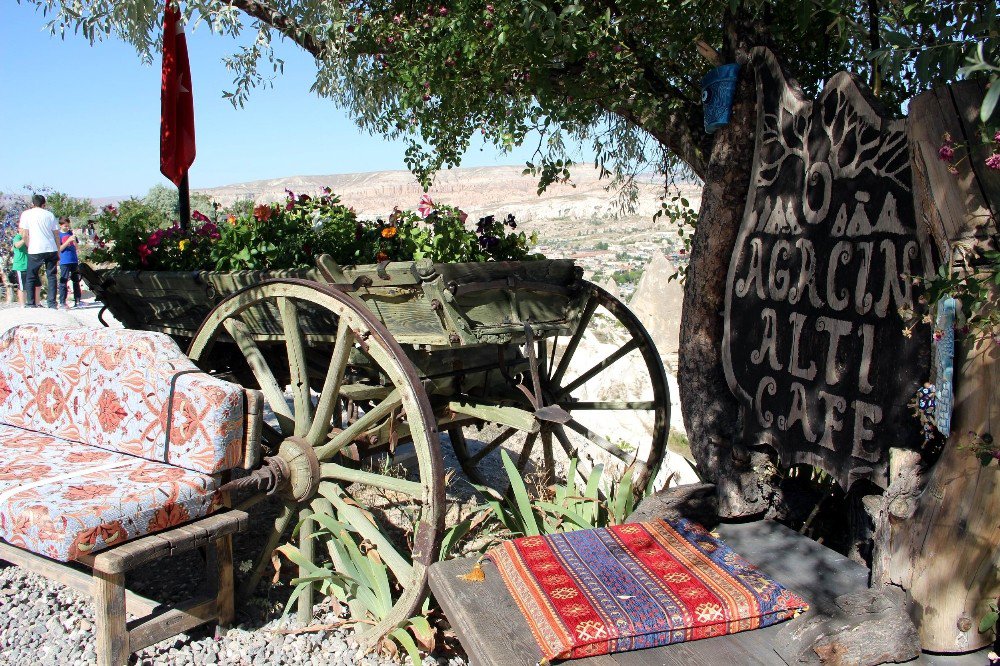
<point>711,413</point>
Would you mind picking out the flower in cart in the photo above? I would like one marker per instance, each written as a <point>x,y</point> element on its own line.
<point>426,206</point>
<point>182,245</point>
<point>381,256</point>
<point>154,238</point>
<point>231,220</point>
<point>263,212</point>
<point>144,253</point>
<point>198,216</point>
<point>389,232</point>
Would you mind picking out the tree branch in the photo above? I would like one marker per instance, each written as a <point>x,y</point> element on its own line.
<point>282,23</point>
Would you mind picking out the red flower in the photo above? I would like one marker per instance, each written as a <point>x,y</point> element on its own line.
<point>144,253</point>
<point>381,256</point>
<point>263,212</point>
<point>198,216</point>
<point>946,153</point>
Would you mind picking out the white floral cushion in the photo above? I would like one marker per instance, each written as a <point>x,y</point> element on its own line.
<point>64,499</point>
<point>111,388</point>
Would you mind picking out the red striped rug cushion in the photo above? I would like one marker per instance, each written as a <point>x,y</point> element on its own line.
<point>635,586</point>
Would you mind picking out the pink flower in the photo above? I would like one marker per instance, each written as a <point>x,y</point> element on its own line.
<point>946,153</point>
<point>462,215</point>
<point>426,206</point>
<point>144,253</point>
<point>993,161</point>
<point>996,137</point>
<point>198,216</point>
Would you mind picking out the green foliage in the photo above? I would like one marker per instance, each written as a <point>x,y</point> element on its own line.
<point>63,205</point>
<point>123,229</point>
<point>989,620</point>
<point>927,43</point>
<point>289,235</point>
<point>565,508</point>
<point>680,212</point>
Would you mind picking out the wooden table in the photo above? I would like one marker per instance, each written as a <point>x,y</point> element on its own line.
<point>494,633</point>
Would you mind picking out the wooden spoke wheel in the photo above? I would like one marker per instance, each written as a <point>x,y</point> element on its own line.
<point>335,380</point>
<point>602,398</point>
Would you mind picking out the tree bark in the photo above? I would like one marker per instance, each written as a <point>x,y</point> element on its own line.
<point>711,413</point>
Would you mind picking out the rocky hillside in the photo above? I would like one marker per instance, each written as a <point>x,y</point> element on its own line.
<point>477,190</point>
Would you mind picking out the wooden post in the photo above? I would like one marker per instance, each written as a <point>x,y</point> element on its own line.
<point>945,552</point>
<point>225,600</point>
<point>109,613</point>
<point>184,203</point>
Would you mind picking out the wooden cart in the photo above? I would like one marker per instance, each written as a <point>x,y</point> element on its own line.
<point>381,357</point>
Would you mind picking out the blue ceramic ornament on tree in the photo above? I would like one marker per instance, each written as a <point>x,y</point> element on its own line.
<point>717,90</point>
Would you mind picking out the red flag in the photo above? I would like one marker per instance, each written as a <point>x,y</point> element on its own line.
<point>176,101</point>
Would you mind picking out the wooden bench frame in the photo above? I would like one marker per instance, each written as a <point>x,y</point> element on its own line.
<point>117,637</point>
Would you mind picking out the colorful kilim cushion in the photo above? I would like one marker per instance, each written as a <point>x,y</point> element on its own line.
<point>118,390</point>
<point>64,499</point>
<point>634,586</point>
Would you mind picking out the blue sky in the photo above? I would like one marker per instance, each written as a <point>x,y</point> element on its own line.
<point>85,120</point>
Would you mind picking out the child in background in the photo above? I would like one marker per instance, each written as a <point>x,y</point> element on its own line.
<point>69,264</point>
<point>20,268</point>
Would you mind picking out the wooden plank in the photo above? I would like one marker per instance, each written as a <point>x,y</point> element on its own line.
<point>109,613</point>
<point>494,633</point>
<point>968,97</point>
<point>67,574</point>
<point>146,631</point>
<point>154,546</point>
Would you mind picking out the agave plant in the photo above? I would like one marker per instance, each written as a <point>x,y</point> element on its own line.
<point>357,577</point>
<point>563,509</point>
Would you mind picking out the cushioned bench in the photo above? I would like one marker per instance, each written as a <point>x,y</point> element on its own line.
<point>113,447</point>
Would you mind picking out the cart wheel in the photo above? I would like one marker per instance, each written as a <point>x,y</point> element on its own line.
<point>318,346</point>
<point>585,380</point>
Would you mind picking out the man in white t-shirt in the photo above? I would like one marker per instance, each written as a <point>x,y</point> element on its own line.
<point>41,232</point>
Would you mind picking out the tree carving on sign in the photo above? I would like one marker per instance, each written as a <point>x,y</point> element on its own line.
<point>814,346</point>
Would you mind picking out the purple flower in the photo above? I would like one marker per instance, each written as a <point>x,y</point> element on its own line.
<point>993,161</point>
<point>946,153</point>
<point>198,216</point>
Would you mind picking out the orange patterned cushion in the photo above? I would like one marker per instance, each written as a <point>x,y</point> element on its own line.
<point>111,388</point>
<point>64,499</point>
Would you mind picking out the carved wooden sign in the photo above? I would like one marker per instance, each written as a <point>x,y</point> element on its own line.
<point>814,345</point>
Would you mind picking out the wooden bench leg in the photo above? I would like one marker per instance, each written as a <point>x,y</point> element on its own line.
<point>109,613</point>
<point>224,600</point>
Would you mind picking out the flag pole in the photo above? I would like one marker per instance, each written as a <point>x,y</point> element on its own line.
<point>184,202</point>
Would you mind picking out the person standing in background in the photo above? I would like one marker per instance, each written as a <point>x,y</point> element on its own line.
<point>69,264</point>
<point>20,267</point>
<point>42,236</point>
